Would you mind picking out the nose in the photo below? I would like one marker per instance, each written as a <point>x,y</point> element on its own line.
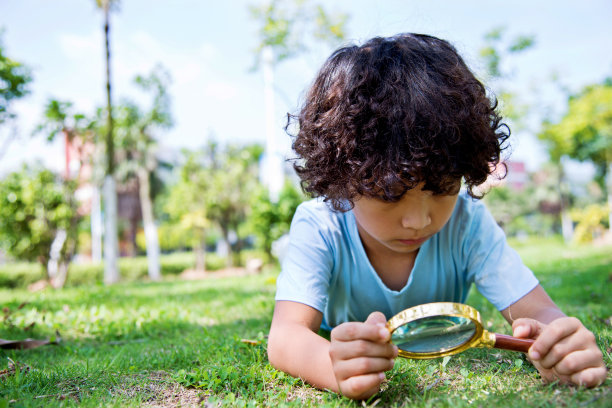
<point>416,218</point>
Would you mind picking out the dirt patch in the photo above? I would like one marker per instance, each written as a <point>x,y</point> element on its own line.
<point>158,390</point>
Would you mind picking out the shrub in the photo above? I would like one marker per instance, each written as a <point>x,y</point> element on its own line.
<point>22,274</point>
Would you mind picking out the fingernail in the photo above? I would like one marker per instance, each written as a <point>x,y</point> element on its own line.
<point>395,350</point>
<point>382,376</point>
<point>392,362</point>
<point>534,355</point>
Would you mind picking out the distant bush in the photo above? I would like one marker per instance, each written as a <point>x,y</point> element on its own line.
<point>22,274</point>
<point>591,222</point>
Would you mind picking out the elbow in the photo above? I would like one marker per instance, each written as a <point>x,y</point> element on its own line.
<point>274,349</point>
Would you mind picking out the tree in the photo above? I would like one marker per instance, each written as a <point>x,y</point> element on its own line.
<point>585,132</point>
<point>286,30</point>
<point>268,220</point>
<point>78,132</point>
<point>111,248</point>
<point>495,54</point>
<point>232,177</point>
<point>286,27</point>
<point>14,80</point>
<point>138,149</point>
<point>185,206</point>
<point>39,220</point>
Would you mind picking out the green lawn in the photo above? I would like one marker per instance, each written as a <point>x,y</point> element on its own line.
<point>183,343</point>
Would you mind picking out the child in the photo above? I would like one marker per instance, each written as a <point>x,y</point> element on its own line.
<point>388,132</point>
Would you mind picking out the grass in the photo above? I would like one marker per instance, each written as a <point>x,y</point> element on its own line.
<point>179,343</point>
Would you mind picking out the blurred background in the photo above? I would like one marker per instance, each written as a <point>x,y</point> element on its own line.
<point>188,172</point>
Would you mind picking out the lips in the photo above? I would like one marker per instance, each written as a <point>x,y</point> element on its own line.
<point>415,241</point>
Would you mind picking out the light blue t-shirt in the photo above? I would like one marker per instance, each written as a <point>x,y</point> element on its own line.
<point>326,266</point>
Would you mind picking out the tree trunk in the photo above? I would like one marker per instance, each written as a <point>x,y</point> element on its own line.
<point>53,269</point>
<point>111,245</point>
<point>225,233</point>
<point>96,225</point>
<point>111,242</point>
<point>150,229</point>
<point>200,253</point>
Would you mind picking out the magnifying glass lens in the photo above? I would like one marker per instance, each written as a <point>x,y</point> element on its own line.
<point>434,334</point>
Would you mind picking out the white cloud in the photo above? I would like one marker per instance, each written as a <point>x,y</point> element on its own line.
<point>221,90</point>
<point>79,47</point>
<point>187,73</point>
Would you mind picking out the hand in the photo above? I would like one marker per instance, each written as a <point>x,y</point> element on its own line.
<point>360,354</point>
<point>564,350</point>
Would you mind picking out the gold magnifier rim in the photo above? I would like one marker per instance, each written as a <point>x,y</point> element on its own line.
<point>439,309</point>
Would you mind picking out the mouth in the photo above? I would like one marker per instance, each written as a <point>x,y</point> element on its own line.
<point>416,241</point>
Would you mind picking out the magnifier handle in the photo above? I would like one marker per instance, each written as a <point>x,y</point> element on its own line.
<point>506,342</point>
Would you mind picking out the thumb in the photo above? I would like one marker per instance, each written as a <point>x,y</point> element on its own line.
<point>376,318</point>
<point>526,328</point>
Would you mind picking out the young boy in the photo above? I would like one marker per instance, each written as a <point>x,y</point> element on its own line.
<point>387,133</point>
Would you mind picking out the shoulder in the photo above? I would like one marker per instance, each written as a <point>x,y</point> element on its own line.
<point>471,223</point>
<point>318,213</point>
<point>468,205</point>
<point>468,211</point>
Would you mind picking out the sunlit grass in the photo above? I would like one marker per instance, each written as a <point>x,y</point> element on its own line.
<point>204,342</point>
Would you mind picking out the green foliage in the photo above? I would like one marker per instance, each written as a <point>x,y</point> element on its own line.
<point>497,48</point>
<point>285,26</point>
<point>215,193</point>
<point>135,127</point>
<point>495,53</point>
<point>585,131</point>
<point>591,222</point>
<point>34,205</point>
<point>14,80</point>
<point>269,221</point>
<point>59,118</point>
<point>507,205</point>
<point>184,204</point>
<point>22,274</point>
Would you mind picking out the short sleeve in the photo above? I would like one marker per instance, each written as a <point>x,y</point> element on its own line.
<point>495,268</point>
<point>307,265</point>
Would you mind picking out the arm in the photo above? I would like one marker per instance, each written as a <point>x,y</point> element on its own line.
<point>564,349</point>
<point>352,363</point>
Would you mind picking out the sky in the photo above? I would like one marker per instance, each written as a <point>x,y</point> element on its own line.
<point>208,49</point>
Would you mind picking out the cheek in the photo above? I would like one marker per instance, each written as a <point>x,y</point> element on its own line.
<point>444,211</point>
<point>374,221</point>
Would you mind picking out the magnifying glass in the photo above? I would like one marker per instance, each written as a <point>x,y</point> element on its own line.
<point>441,329</point>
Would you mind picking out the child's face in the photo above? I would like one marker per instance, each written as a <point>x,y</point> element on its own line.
<point>403,226</point>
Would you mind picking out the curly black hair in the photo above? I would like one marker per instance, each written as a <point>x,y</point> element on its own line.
<point>396,112</point>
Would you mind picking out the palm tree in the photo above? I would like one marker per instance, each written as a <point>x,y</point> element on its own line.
<point>138,152</point>
<point>111,245</point>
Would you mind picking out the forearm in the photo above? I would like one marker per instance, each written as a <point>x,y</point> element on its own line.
<point>548,314</point>
<point>535,305</point>
<point>300,352</point>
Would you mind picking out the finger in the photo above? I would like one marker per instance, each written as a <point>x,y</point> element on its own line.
<point>590,377</point>
<point>345,369</point>
<point>559,351</point>
<point>360,331</point>
<point>577,361</point>
<point>362,348</point>
<point>363,386</point>
<point>526,328</point>
<point>376,317</point>
<point>553,334</point>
